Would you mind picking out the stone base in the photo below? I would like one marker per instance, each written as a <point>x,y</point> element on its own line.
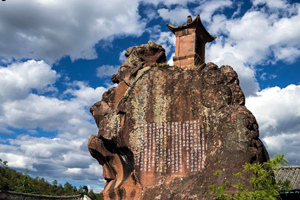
<point>187,61</point>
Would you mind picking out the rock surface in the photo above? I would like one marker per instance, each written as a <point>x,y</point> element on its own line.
<point>163,131</point>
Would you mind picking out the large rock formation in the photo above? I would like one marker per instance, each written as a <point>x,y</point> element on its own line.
<point>164,130</point>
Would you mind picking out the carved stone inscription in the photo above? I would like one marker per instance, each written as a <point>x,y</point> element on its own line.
<point>171,147</point>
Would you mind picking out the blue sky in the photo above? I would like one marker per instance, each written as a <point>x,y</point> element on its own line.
<point>56,59</point>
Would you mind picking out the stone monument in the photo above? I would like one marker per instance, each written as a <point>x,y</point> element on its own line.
<point>164,130</point>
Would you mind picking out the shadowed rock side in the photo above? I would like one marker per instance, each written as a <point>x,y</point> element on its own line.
<point>163,131</point>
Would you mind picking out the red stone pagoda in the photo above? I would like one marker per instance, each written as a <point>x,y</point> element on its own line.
<point>190,43</point>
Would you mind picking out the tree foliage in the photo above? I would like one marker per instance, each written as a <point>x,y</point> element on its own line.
<point>11,180</point>
<point>94,196</point>
<point>260,178</point>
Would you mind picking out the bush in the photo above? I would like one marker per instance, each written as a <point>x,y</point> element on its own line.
<point>260,178</point>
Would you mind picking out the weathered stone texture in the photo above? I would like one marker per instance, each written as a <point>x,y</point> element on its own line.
<point>164,130</point>
<point>137,58</point>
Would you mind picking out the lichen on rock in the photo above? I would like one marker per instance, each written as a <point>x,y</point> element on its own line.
<point>163,131</point>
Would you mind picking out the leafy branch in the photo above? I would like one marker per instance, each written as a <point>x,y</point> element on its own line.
<point>260,178</point>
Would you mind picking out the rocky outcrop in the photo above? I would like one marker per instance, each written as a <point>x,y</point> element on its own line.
<point>138,58</point>
<point>164,130</point>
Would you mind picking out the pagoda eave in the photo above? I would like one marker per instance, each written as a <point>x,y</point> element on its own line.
<point>197,24</point>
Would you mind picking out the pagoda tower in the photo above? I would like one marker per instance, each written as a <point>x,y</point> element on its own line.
<point>190,43</point>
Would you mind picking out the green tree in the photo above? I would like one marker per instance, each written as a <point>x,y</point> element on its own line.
<point>60,190</point>
<point>94,196</point>
<point>260,178</point>
<point>3,163</point>
<point>68,189</point>
<point>12,180</point>
<point>54,183</point>
<point>24,183</point>
<point>4,185</point>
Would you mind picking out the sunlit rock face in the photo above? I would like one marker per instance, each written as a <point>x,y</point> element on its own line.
<point>164,130</point>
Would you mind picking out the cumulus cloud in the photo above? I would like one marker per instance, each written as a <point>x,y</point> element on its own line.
<point>282,109</point>
<point>287,144</point>
<point>108,70</point>
<point>287,54</point>
<point>278,114</point>
<point>83,94</point>
<point>70,116</point>
<point>268,36</point>
<point>18,79</point>
<point>49,30</point>
<point>28,109</point>
<point>176,16</point>
<point>169,2</point>
<point>271,39</point>
<point>170,61</point>
<point>271,3</point>
<point>208,8</point>
<point>19,106</point>
<point>122,56</point>
<point>15,158</point>
<point>34,111</point>
<point>264,76</point>
<point>166,39</point>
<point>217,54</point>
<point>151,13</point>
<point>54,158</point>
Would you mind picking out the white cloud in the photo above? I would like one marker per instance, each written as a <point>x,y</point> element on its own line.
<point>176,16</point>
<point>166,39</point>
<point>70,117</point>
<point>287,54</point>
<point>34,111</point>
<point>277,110</point>
<point>208,8</point>
<point>222,55</point>
<point>150,12</point>
<point>49,30</point>
<point>257,38</point>
<point>18,104</point>
<point>18,79</point>
<point>122,56</point>
<point>264,76</point>
<point>55,158</point>
<point>218,25</point>
<point>170,61</point>
<point>271,3</point>
<point>258,35</point>
<point>42,147</point>
<point>278,114</point>
<point>22,109</point>
<point>17,160</point>
<point>287,144</point>
<point>107,70</point>
<point>84,95</point>
<point>31,111</point>
<point>168,2</point>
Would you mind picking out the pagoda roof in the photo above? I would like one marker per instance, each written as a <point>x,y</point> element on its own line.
<point>290,173</point>
<point>196,23</point>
